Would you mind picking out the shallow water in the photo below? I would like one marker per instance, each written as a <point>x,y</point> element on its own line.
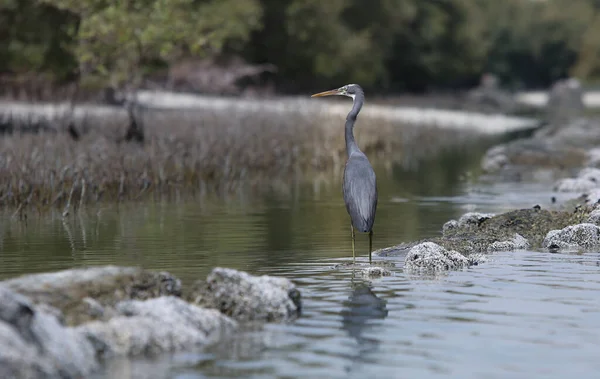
<point>520,314</point>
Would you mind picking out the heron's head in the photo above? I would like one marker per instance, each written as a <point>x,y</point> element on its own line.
<point>350,90</point>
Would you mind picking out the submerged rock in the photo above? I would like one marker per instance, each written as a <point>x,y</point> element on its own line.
<point>90,293</point>
<point>429,256</point>
<point>246,298</point>
<point>584,236</point>
<point>477,259</point>
<point>374,272</point>
<point>35,344</point>
<point>155,326</point>
<point>368,270</point>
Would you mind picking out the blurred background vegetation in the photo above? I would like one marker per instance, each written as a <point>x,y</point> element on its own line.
<point>390,45</point>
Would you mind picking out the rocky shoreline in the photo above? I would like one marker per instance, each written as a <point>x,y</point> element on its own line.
<point>471,239</point>
<point>66,324</point>
<point>567,159</point>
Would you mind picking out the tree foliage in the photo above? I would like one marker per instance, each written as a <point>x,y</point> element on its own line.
<point>115,38</point>
<point>393,45</point>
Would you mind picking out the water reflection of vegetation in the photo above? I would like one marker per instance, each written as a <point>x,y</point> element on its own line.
<point>245,231</point>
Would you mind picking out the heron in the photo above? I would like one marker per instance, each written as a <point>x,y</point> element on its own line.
<point>360,184</point>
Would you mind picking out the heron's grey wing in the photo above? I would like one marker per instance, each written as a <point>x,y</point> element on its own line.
<point>360,192</point>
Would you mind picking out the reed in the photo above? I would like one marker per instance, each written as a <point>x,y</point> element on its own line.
<point>191,151</point>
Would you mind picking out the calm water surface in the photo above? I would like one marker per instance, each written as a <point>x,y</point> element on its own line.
<point>522,314</point>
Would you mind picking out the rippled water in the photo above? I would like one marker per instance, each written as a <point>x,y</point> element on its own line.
<point>521,314</point>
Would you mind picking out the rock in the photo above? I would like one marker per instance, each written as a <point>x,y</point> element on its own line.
<point>89,293</point>
<point>574,185</point>
<point>247,298</point>
<point>374,272</point>
<point>489,97</point>
<point>36,345</point>
<point>594,217</point>
<point>514,230</point>
<point>159,325</point>
<point>518,242</point>
<point>532,224</point>
<point>19,359</point>
<point>474,218</point>
<point>565,101</point>
<point>550,154</point>
<point>429,256</point>
<point>593,157</point>
<point>477,259</point>
<point>45,308</point>
<point>123,311</point>
<point>573,237</point>
<point>494,159</point>
<point>590,173</point>
<point>466,221</point>
<point>449,226</point>
<point>592,197</point>
<point>587,179</point>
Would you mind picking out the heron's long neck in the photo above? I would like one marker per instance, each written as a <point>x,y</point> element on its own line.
<point>351,145</point>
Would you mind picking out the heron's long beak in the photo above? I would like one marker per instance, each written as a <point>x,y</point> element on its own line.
<point>327,93</point>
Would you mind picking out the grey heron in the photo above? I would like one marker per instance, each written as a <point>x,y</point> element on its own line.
<point>360,184</point>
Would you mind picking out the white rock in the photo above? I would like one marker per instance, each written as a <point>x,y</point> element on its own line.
<point>573,237</point>
<point>590,173</point>
<point>592,196</point>
<point>245,297</point>
<point>593,157</point>
<point>574,185</point>
<point>35,344</point>
<point>429,256</point>
<point>594,217</point>
<point>159,325</point>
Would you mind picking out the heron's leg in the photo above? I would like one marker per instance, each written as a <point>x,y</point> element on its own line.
<point>353,253</point>
<point>370,244</point>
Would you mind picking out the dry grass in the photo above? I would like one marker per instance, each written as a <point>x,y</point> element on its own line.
<point>189,152</point>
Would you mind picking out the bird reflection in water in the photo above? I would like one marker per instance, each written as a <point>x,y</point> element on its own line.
<point>361,307</point>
